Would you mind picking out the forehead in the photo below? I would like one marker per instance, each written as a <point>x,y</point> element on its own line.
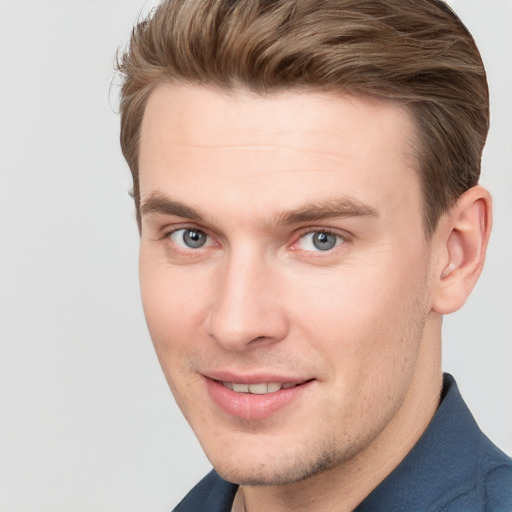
<point>275,149</point>
<point>206,115</point>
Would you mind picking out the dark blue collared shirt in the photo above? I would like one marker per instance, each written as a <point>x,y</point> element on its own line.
<point>452,468</point>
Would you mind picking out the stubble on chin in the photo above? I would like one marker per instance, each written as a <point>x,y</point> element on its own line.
<point>283,469</point>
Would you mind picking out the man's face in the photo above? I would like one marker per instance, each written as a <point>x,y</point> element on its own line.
<point>285,273</point>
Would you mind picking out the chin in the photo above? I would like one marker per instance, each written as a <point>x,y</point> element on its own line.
<point>276,469</point>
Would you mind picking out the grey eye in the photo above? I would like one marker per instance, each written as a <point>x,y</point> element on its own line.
<point>189,238</point>
<point>320,241</point>
<point>324,241</point>
<point>194,239</point>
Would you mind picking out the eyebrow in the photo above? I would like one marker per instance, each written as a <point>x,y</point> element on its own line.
<point>157,203</point>
<point>327,209</point>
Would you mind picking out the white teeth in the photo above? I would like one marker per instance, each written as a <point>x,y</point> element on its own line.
<point>258,389</point>
<point>241,388</point>
<point>273,387</point>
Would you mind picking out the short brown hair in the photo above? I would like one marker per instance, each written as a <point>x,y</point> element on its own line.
<point>415,52</point>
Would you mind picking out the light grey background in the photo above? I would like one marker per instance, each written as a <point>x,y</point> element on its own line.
<point>86,420</point>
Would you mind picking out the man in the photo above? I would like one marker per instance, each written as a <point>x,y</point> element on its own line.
<point>306,185</point>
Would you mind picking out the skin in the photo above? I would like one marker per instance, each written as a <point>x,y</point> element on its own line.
<point>360,321</point>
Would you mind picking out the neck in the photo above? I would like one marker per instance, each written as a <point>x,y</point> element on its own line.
<point>343,487</point>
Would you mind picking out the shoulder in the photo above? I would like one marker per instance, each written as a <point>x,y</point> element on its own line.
<point>498,479</point>
<point>490,488</point>
<point>453,467</point>
<point>211,494</point>
<point>486,470</point>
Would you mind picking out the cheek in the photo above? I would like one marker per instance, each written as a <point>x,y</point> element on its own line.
<point>171,298</point>
<point>170,301</point>
<point>366,320</point>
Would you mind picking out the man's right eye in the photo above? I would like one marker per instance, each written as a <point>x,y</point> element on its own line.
<point>187,238</point>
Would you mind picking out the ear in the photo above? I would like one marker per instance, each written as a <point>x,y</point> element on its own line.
<point>464,233</point>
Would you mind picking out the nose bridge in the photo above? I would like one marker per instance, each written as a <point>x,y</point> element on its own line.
<point>245,308</point>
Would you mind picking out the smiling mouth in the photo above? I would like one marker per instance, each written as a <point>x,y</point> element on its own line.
<point>261,388</point>
<point>254,399</point>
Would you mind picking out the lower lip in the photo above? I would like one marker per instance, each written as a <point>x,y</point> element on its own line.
<point>249,406</point>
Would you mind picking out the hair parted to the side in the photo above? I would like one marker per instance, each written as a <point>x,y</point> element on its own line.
<point>415,52</point>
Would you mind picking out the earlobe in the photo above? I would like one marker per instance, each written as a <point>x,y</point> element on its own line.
<point>465,230</point>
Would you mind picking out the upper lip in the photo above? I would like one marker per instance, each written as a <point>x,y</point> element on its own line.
<point>253,378</point>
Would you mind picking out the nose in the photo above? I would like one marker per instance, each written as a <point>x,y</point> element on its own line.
<point>246,310</point>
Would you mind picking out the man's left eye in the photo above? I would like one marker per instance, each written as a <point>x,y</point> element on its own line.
<point>319,241</point>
